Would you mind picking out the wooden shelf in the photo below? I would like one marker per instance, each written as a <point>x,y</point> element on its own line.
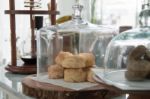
<point>31,12</point>
<point>22,69</point>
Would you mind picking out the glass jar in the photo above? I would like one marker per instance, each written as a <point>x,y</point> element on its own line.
<point>28,45</point>
<point>120,46</point>
<point>75,36</point>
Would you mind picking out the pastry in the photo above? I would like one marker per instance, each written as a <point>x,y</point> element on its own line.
<point>75,75</point>
<point>90,75</point>
<point>135,75</point>
<point>61,56</point>
<point>55,71</point>
<point>89,59</point>
<point>138,65</point>
<point>74,61</point>
<point>141,65</point>
<point>137,53</point>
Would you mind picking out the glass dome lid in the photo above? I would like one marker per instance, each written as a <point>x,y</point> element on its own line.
<point>75,36</point>
<point>127,57</point>
<point>77,22</point>
<point>121,46</point>
<point>77,30</point>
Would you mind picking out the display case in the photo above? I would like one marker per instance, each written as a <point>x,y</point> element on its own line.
<point>75,36</point>
<point>127,56</point>
<point>121,45</point>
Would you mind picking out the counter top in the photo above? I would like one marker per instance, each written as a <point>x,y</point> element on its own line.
<point>11,85</point>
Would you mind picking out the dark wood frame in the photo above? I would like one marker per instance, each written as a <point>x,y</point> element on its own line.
<point>12,12</point>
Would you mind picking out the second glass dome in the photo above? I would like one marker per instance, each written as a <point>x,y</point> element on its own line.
<point>121,45</point>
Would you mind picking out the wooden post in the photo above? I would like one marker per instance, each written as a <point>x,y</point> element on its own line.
<point>13,33</point>
<point>53,8</point>
<point>33,50</point>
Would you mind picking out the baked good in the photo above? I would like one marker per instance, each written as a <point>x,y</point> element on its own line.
<point>73,68</point>
<point>75,75</point>
<point>55,71</point>
<point>61,56</point>
<point>138,65</point>
<point>89,59</point>
<point>90,75</point>
<point>74,61</point>
<point>135,75</point>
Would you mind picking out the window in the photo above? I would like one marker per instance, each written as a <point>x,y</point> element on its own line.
<point>114,12</point>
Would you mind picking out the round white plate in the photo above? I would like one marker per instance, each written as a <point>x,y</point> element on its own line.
<point>118,79</point>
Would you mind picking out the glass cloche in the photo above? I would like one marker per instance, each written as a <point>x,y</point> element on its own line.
<point>121,48</point>
<point>73,36</point>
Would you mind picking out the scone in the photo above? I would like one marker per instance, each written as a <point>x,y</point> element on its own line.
<point>138,67</point>
<point>74,61</point>
<point>135,75</point>
<point>61,56</point>
<point>55,71</point>
<point>89,59</point>
<point>75,75</point>
<point>90,75</point>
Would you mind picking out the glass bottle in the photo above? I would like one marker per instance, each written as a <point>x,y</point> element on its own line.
<point>28,53</point>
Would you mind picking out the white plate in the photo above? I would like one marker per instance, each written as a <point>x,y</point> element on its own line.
<point>60,82</point>
<point>118,79</point>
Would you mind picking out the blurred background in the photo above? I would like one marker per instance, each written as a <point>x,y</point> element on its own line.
<point>108,12</point>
